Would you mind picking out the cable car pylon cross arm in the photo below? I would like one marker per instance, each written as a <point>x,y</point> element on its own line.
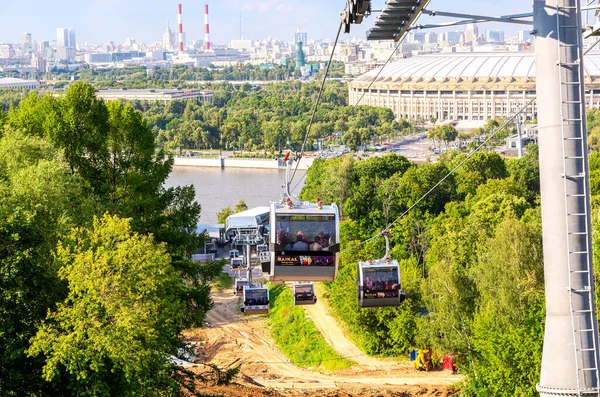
<point>355,12</point>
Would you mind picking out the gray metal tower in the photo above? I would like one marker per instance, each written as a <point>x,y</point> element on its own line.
<point>570,356</point>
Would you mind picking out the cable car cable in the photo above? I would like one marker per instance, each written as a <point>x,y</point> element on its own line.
<point>498,129</point>
<point>380,70</point>
<point>314,112</point>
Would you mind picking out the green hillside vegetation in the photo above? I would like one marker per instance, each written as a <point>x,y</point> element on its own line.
<point>95,281</point>
<point>470,257</point>
<point>297,336</point>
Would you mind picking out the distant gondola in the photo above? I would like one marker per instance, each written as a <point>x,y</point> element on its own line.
<point>238,289</point>
<point>255,300</point>
<point>304,294</point>
<point>239,262</point>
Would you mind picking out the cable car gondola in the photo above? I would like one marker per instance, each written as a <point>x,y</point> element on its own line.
<point>255,300</point>
<point>304,238</point>
<point>304,294</point>
<point>379,284</point>
<point>304,241</point>
<point>240,283</point>
<point>238,262</point>
<point>264,257</point>
<point>379,281</point>
<point>263,253</point>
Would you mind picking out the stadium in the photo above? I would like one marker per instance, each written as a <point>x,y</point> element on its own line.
<point>465,87</point>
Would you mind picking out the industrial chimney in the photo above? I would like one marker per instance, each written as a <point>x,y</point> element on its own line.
<point>206,29</point>
<point>180,28</point>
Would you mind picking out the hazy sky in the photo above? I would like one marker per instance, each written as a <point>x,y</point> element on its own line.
<point>97,21</point>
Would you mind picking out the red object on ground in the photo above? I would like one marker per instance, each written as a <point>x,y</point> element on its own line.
<point>448,365</point>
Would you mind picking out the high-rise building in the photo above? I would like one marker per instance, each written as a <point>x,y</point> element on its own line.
<point>26,42</point>
<point>6,51</point>
<point>168,39</point>
<point>495,36</point>
<point>39,63</point>
<point>300,37</point>
<point>416,37</point>
<point>524,36</point>
<point>471,33</point>
<point>72,41</point>
<point>62,37</point>
<point>452,37</point>
<point>65,44</point>
<point>300,61</point>
<point>65,38</point>
<point>431,38</point>
<point>41,46</point>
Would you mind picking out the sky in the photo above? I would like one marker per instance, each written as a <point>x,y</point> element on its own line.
<point>98,21</point>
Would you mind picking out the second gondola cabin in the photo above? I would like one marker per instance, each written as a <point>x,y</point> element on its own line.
<point>255,300</point>
<point>239,262</point>
<point>304,242</point>
<point>379,284</point>
<point>304,293</point>
<point>240,283</point>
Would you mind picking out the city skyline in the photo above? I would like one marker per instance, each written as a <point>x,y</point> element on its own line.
<point>116,20</point>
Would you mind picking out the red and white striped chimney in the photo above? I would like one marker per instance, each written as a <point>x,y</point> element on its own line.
<point>180,27</point>
<point>206,29</point>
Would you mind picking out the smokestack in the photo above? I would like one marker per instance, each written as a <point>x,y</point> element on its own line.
<point>180,27</point>
<point>206,29</point>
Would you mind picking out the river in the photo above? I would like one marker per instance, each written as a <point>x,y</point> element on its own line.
<point>217,188</point>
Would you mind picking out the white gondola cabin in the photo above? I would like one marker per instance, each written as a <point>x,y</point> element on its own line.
<point>304,293</point>
<point>238,262</point>
<point>264,255</point>
<point>304,242</point>
<point>240,283</point>
<point>379,284</point>
<point>255,300</point>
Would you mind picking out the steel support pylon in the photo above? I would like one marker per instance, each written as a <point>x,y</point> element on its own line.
<point>570,355</point>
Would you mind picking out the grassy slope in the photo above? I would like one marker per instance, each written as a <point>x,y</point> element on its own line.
<point>297,336</point>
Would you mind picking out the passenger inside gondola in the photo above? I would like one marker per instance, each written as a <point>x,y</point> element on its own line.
<point>283,240</point>
<point>316,246</point>
<point>300,244</point>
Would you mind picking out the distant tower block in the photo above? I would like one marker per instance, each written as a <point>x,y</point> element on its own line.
<point>206,29</point>
<point>180,27</point>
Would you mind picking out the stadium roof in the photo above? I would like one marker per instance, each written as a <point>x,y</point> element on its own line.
<point>455,66</point>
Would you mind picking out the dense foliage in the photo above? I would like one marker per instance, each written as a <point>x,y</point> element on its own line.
<point>79,299</point>
<point>270,119</point>
<point>470,256</point>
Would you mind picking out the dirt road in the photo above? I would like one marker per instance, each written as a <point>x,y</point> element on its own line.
<point>231,337</point>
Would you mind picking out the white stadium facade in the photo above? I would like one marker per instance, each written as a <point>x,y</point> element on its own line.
<point>462,86</point>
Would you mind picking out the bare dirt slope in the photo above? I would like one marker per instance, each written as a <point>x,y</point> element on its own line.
<point>234,339</point>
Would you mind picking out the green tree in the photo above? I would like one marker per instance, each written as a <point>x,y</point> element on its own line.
<point>240,206</point>
<point>224,214</point>
<point>41,200</point>
<point>114,332</point>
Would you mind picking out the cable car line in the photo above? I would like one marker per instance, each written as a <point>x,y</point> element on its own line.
<point>380,70</point>
<point>498,129</point>
<point>314,111</point>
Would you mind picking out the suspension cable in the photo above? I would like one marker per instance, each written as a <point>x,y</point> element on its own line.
<point>314,111</point>
<point>381,70</point>
<point>497,131</point>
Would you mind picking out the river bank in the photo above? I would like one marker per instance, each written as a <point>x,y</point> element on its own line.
<point>237,162</point>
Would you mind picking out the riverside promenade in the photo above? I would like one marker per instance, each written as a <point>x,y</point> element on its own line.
<point>237,162</point>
